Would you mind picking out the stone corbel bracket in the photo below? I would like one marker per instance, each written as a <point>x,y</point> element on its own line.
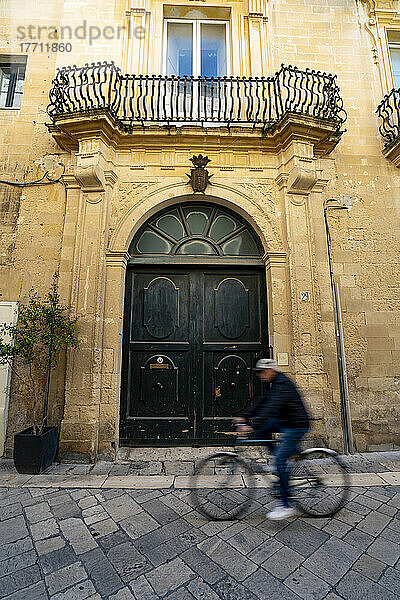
<point>301,180</point>
<point>93,165</point>
<point>300,174</point>
<point>91,178</point>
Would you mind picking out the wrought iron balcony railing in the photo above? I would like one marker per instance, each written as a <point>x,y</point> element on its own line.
<point>389,112</point>
<point>152,99</point>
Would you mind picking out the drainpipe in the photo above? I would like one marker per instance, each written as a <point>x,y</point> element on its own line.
<point>341,355</point>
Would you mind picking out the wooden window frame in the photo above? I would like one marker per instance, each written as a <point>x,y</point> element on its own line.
<point>196,25</point>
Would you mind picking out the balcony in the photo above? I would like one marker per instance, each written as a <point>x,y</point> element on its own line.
<point>389,113</point>
<point>138,101</point>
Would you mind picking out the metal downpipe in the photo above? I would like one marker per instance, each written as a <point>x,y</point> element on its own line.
<point>342,368</point>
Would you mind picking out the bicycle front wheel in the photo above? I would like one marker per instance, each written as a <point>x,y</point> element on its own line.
<point>222,487</point>
<point>319,482</point>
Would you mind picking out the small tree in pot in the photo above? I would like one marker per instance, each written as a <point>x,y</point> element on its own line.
<point>43,329</point>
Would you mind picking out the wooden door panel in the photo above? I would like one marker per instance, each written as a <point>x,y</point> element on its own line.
<point>230,385</point>
<point>231,297</point>
<point>160,308</point>
<point>232,375</point>
<point>232,305</point>
<point>158,391</point>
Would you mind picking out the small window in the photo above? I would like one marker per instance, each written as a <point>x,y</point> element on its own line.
<point>394,53</point>
<point>12,77</point>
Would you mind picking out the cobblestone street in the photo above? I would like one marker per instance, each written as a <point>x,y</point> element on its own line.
<point>119,544</point>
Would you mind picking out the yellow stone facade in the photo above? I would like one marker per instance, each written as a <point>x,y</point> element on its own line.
<point>82,226</point>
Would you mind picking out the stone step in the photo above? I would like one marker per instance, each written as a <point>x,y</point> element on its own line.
<point>176,461</point>
<point>127,455</point>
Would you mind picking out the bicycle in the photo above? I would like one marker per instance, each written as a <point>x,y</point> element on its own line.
<point>224,483</point>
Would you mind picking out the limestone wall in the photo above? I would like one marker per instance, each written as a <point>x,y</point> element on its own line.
<point>85,234</point>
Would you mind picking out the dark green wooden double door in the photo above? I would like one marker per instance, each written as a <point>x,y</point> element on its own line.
<point>191,338</point>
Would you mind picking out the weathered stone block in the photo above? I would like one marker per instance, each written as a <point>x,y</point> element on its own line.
<point>78,431</point>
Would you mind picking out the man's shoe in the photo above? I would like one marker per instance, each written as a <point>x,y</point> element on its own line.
<point>282,512</point>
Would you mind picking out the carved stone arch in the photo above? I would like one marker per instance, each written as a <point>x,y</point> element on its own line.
<point>196,228</point>
<point>156,200</point>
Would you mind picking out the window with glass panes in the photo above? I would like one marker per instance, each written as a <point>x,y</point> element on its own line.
<point>197,48</point>
<point>394,52</point>
<point>196,229</point>
<point>12,77</point>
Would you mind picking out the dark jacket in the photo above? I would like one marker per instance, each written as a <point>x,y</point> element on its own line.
<point>281,402</point>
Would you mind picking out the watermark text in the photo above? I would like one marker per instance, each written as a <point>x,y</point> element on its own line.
<point>84,31</point>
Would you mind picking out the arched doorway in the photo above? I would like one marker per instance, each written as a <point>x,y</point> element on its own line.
<point>195,321</point>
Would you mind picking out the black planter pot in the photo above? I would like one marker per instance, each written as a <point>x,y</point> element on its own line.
<point>34,453</point>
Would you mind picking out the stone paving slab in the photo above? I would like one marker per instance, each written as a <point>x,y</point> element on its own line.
<point>13,479</point>
<point>357,479</point>
<point>139,481</point>
<point>258,480</point>
<point>210,481</point>
<point>60,481</point>
<point>391,478</point>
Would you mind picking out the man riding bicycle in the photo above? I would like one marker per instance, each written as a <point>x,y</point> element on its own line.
<point>281,410</point>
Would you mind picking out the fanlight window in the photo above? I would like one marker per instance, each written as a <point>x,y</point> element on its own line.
<point>196,229</point>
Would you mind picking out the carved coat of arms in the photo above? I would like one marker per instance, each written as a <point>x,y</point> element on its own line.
<point>199,177</point>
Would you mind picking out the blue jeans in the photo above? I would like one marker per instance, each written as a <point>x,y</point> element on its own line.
<point>282,451</point>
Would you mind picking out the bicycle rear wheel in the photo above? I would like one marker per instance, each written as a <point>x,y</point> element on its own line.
<point>319,482</point>
<point>220,487</point>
